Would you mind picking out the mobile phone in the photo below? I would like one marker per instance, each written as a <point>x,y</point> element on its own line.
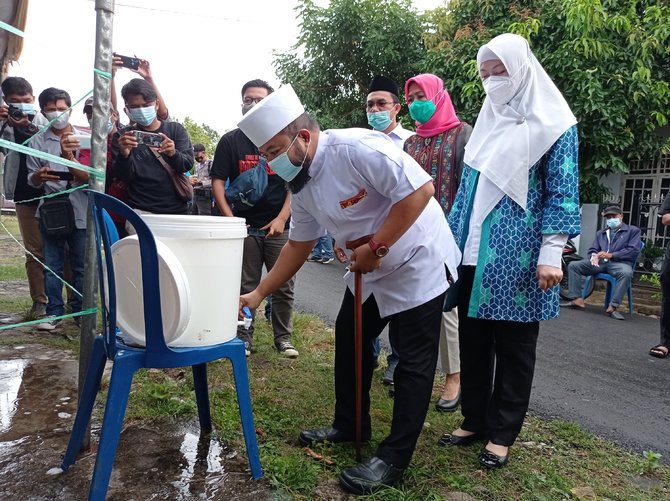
<point>150,139</point>
<point>62,175</point>
<point>128,62</point>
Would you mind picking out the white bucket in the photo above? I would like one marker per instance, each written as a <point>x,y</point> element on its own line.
<point>202,256</point>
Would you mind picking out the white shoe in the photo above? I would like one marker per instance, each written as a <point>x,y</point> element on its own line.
<point>286,349</point>
<point>48,325</point>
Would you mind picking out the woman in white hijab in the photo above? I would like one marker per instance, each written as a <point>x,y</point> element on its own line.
<point>516,205</point>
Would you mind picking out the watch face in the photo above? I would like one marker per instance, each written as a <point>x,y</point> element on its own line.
<point>381,251</point>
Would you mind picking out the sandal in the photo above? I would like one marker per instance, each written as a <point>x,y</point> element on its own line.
<point>659,351</point>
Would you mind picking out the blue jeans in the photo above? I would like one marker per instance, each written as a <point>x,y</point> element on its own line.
<point>392,358</point>
<point>54,258</point>
<point>623,272</point>
<point>324,247</point>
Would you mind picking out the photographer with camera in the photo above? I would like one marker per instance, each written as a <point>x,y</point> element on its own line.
<point>20,122</point>
<point>62,218</point>
<point>151,156</point>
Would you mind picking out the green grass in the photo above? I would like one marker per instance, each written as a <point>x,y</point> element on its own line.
<point>549,460</point>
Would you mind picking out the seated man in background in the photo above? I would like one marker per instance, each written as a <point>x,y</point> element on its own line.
<point>614,251</point>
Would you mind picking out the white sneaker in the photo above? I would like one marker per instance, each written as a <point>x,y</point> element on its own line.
<point>247,348</point>
<point>286,349</point>
<point>48,325</point>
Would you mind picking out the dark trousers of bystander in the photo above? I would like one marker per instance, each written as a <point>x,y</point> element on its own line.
<point>259,251</point>
<point>665,303</point>
<point>415,335</point>
<point>497,367</point>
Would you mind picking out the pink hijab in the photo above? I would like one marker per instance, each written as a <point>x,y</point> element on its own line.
<point>444,117</point>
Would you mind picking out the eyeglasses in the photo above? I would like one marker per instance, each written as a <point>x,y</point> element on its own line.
<point>379,103</point>
<point>252,100</point>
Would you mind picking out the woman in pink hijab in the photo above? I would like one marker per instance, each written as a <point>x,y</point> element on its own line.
<point>439,146</point>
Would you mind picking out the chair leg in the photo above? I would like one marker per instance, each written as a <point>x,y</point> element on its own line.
<point>115,410</point>
<point>239,362</point>
<point>585,287</point>
<point>86,402</point>
<point>630,301</point>
<point>202,397</point>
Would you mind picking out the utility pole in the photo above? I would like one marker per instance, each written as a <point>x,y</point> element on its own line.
<point>102,85</point>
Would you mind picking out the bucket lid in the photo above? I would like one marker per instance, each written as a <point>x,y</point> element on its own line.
<point>195,227</point>
<point>174,290</point>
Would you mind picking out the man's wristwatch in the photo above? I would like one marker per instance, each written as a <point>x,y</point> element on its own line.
<point>378,248</point>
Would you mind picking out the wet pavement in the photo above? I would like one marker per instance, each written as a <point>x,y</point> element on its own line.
<point>162,459</point>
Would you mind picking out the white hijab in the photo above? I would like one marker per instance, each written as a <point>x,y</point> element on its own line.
<point>509,139</point>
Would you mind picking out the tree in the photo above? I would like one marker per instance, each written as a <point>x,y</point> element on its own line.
<point>203,134</point>
<point>610,59</point>
<point>342,46</point>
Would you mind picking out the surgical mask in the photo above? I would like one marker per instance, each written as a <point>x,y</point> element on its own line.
<point>61,122</point>
<point>143,116</point>
<point>247,107</point>
<point>283,166</point>
<point>613,223</point>
<point>380,120</point>
<point>27,108</point>
<point>422,111</point>
<point>110,125</point>
<point>499,89</point>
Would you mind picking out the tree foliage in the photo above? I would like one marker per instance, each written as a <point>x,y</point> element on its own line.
<point>342,46</point>
<point>610,59</point>
<point>203,134</point>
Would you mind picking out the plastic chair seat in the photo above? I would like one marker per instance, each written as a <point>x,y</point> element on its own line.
<point>611,285</point>
<point>128,359</point>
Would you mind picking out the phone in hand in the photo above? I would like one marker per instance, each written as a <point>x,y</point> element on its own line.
<point>150,139</point>
<point>62,175</point>
<point>128,62</point>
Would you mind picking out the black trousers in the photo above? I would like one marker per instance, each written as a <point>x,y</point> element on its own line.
<point>665,303</point>
<point>416,335</point>
<point>497,366</point>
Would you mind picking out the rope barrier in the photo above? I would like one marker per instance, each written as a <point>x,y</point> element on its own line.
<point>49,319</point>
<point>12,29</point>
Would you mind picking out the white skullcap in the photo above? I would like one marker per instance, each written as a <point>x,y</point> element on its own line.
<point>271,115</point>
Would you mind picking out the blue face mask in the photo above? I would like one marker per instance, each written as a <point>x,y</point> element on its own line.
<point>110,125</point>
<point>27,108</point>
<point>613,223</point>
<point>380,120</point>
<point>283,166</point>
<point>143,116</point>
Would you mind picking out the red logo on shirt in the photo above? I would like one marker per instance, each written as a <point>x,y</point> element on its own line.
<point>353,200</point>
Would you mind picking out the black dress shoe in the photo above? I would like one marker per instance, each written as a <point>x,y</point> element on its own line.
<point>370,476</point>
<point>451,439</point>
<point>309,437</point>
<point>491,460</point>
<point>443,405</point>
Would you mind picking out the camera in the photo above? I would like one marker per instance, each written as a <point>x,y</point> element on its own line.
<point>149,139</point>
<point>16,114</point>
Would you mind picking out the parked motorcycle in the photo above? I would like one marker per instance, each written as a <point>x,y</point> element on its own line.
<point>570,255</point>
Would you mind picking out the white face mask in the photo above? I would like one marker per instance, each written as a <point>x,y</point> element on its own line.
<point>62,121</point>
<point>499,89</point>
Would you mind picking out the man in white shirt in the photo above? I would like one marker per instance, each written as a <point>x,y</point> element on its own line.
<point>382,107</point>
<point>359,186</point>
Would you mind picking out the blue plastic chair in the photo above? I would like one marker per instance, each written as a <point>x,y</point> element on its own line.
<point>127,360</point>
<point>611,284</point>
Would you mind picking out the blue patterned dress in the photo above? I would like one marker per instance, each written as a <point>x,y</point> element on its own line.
<point>505,284</point>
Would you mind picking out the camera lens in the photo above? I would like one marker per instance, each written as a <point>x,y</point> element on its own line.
<point>15,113</point>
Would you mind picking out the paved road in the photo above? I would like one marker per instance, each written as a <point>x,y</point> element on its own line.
<point>590,370</point>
